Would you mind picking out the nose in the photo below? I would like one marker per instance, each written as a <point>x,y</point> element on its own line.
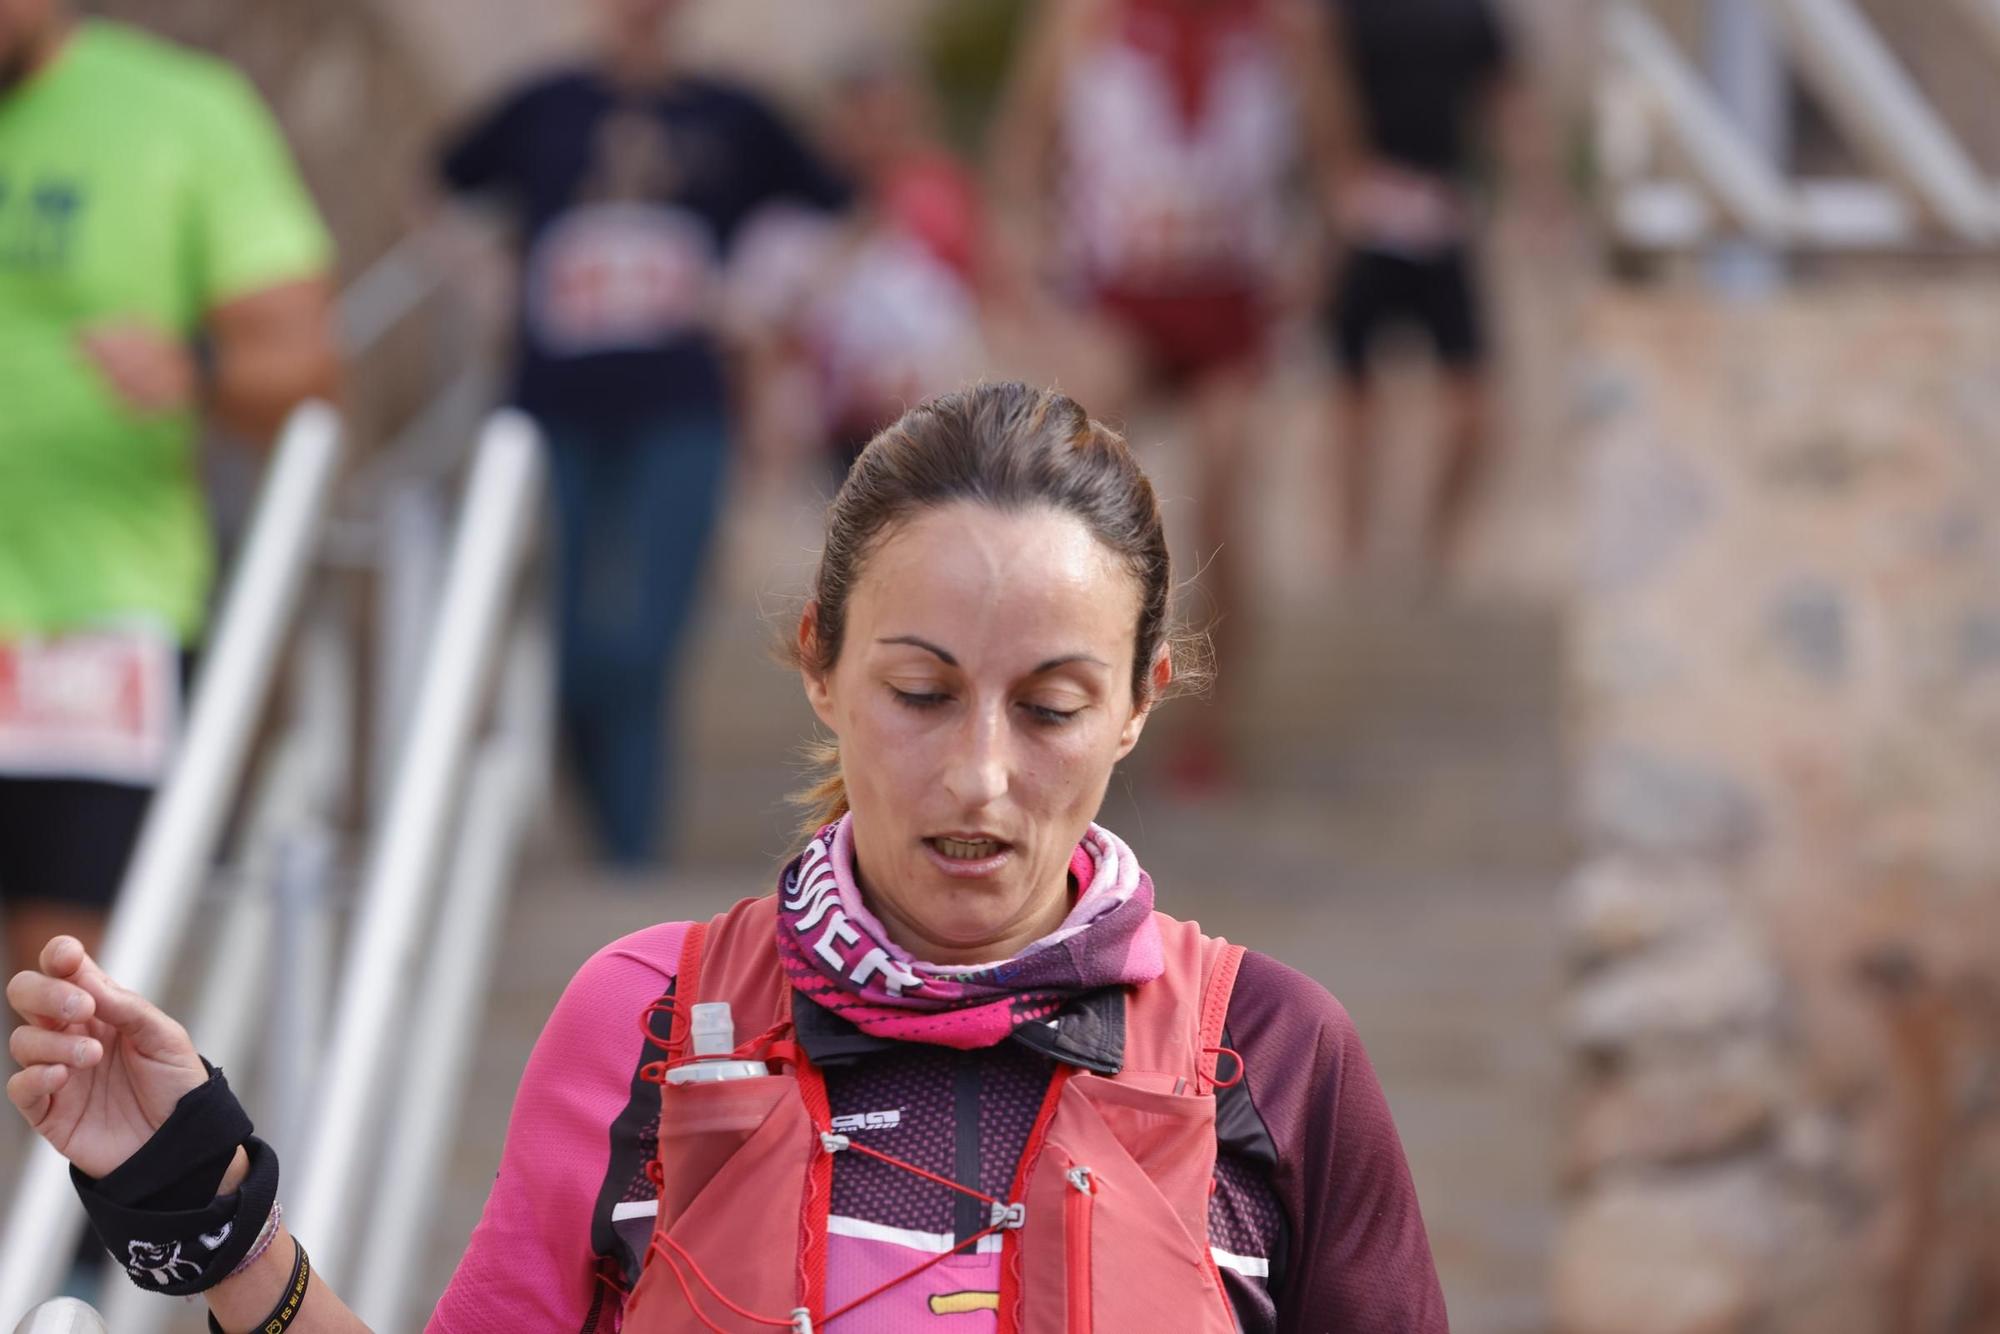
<point>976,775</point>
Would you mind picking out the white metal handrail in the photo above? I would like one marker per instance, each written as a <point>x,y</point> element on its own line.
<point>507,778</point>
<point>1747,186</point>
<point>493,528</point>
<point>497,809</point>
<point>287,835</point>
<point>1886,114</point>
<point>1648,86</point>
<point>388,291</point>
<point>177,843</point>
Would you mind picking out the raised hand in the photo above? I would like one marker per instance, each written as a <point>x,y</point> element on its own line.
<point>151,370</point>
<point>102,1067</point>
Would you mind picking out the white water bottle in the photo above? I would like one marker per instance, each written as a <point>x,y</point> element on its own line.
<point>712,1034</point>
<point>62,1315</point>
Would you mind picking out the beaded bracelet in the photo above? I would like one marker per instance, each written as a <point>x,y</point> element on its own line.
<point>265,1236</point>
<point>287,1310</point>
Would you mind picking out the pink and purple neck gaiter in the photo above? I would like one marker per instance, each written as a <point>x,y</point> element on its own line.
<point>837,953</point>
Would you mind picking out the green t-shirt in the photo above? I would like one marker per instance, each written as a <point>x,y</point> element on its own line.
<point>138,181</point>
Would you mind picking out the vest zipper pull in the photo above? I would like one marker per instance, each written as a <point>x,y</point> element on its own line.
<point>802,1321</point>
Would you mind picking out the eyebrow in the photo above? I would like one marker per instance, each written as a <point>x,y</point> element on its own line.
<point>945,657</point>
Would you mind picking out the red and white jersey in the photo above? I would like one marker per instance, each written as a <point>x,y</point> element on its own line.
<point>1179,129</point>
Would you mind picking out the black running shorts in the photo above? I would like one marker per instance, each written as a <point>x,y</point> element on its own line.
<point>1436,294</point>
<point>66,840</point>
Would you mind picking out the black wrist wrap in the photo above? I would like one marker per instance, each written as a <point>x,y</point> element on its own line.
<point>157,1212</point>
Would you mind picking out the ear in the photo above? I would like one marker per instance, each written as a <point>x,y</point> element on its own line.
<point>1162,675</point>
<point>818,691</point>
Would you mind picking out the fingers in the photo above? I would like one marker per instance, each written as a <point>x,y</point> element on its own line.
<point>63,955</point>
<point>137,1019</point>
<point>40,1046</point>
<point>31,1089</point>
<point>49,1002</point>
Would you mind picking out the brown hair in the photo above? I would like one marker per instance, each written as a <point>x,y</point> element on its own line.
<point>1012,447</point>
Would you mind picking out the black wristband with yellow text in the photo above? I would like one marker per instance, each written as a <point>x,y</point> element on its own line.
<point>289,1301</point>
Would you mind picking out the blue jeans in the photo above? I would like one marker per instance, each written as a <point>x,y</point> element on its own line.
<point>635,508</point>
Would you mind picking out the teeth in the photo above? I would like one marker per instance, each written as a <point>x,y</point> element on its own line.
<point>960,850</point>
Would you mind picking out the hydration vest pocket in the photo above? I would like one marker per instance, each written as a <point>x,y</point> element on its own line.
<point>733,1160</point>
<point>702,1126</point>
<point>1170,1136</point>
<point>1130,1254</point>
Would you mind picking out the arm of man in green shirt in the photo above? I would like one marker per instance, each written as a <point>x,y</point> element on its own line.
<point>273,350</point>
<point>263,263</point>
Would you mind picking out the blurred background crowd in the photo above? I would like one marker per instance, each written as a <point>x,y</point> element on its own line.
<point>1577,423</point>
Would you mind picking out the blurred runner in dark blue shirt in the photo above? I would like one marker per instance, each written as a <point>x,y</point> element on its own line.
<point>628,198</point>
<point>628,180</point>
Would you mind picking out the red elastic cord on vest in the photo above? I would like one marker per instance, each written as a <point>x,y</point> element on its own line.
<point>655,1072</point>
<point>666,1248</point>
<point>611,1275</point>
<point>1215,1081</point>
<point>773,1045</point>
<point>674,1254</point>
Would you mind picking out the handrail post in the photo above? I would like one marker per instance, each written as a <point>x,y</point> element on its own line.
<point>1747,69</point>
<point>500,792</point>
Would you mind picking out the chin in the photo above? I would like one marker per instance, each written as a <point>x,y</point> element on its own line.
<point>969,916</point>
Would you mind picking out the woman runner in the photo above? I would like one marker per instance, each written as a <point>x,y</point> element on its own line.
<point>1004,1093</point>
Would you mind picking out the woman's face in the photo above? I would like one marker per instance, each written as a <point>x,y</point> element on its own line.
<point>982,695</point>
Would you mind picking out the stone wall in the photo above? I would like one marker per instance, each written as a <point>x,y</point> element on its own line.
<point>1785,673</point>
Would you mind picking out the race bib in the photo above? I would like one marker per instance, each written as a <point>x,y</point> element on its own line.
<point>620,277</point>
<point>99,704</point>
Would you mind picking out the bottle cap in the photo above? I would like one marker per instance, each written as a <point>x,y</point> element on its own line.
<point>712,1029</point>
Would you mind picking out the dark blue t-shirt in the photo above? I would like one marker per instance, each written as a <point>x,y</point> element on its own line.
<point>627,204</point>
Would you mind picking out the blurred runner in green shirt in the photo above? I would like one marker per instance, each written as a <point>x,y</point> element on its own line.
<point>146,200</point>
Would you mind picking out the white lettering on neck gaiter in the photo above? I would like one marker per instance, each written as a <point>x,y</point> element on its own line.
<point>895,977</point>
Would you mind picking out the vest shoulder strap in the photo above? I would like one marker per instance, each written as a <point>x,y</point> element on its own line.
<point>1215,1008</point>
<point>1170,1020</point>
<point>734,957</point>
<point>687,977</point>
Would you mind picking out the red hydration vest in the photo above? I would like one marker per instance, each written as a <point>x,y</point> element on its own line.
<point>1115,1179</point>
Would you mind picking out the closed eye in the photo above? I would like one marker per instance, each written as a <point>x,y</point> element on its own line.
<point>1053,717</point>
<point>911,699</point>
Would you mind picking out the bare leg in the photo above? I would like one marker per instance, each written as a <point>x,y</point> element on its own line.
<point>1220,407</point>
<point>1467,459</point>
<point>1355,412</point>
